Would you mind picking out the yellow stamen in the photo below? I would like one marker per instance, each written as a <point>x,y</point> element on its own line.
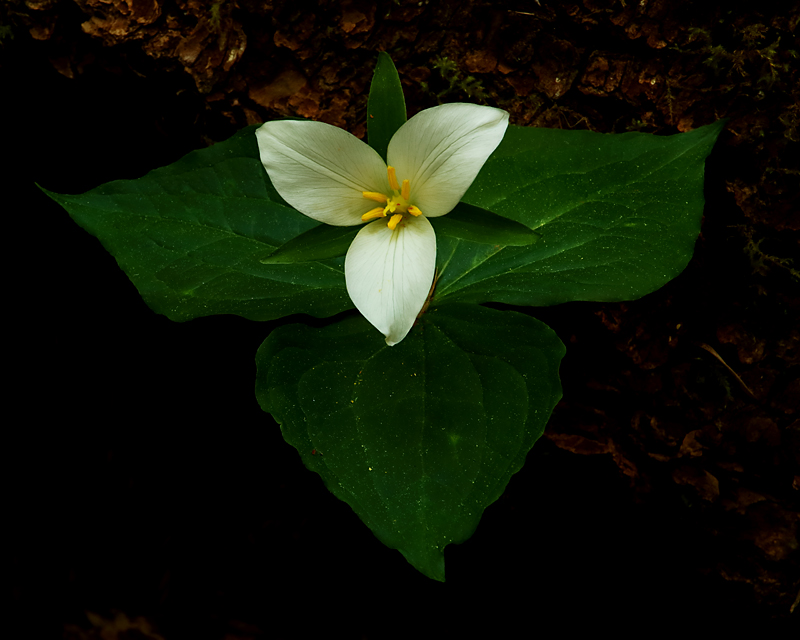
<point>397,217</point>
<point>392,179</point>
<point>397,204</point>
<point>374,213</point>
<point>374,195</point>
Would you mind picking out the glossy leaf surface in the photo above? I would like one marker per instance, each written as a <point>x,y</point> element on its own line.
<point>421,437</point>
<point>319,243</point>
<point>192,236</point>
<point>465,222</point>
<point>471,223</point>
<point>618,216</point>
<point>386,106</point>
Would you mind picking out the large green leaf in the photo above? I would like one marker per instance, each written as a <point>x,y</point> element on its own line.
<point>192,237</point>
<point>618,216</point>
<point>318,243</point>
<point>466,222</point>
<point>421,437</point>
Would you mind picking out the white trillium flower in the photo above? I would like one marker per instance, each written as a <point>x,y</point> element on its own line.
<point>330,175</point>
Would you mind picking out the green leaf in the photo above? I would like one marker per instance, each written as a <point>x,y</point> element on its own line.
<point>386,105</point>
<point>320,243</point>
<point>468,222</point>
<point>465,221</point>
<point>618,214</point>
<point>192,236</point>
<point>421,437</point>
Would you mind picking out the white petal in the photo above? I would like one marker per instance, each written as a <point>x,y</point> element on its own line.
<point>321,170</point>
<point>389,273</point>
<point>442,149</point>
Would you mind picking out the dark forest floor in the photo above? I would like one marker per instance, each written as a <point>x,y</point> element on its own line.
<point>669,476</point>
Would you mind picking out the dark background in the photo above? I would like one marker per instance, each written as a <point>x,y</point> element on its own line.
<point>148,490</point>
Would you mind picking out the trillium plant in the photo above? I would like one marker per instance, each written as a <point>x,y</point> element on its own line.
<point>332,176</point>
<point>414,403</point>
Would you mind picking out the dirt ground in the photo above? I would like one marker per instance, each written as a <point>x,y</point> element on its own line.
<point>669,476</point>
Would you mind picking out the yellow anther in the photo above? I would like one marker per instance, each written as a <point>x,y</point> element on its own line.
<point>374,213</point>
<point>406,190</point>
<point>397,217</point>
<point>397,204</point>
<point>392,179</point>
<point>374,195</point>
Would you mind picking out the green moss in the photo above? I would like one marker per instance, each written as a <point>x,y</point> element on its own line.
<point>451,82</point>
<point>6,33</point>
<point>741,56</point>
<point>762,262</point>
<point>215,15</point>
